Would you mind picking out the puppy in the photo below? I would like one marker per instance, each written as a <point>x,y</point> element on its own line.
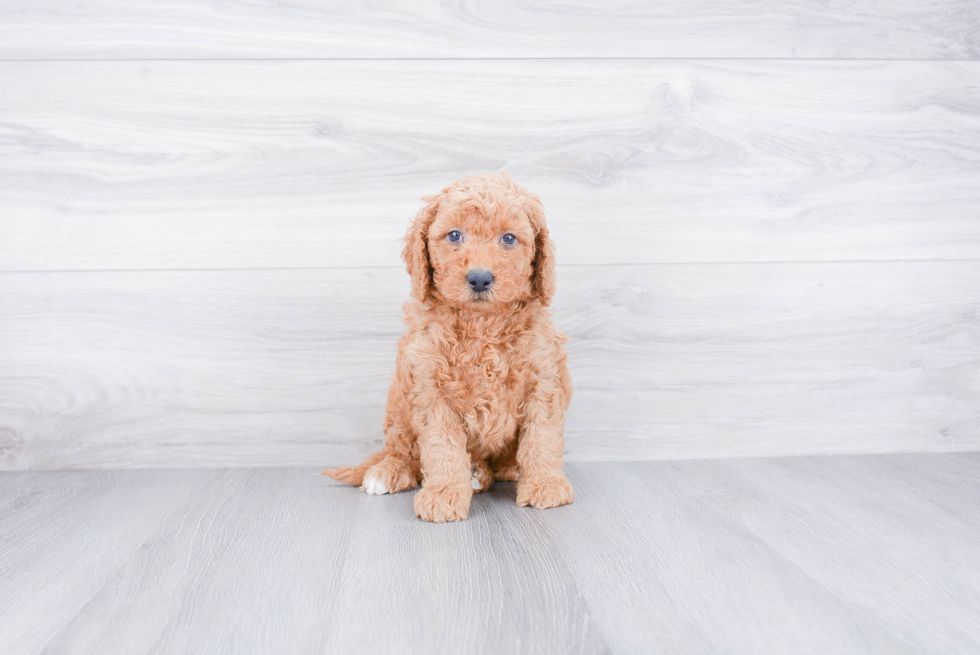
<point>481,384</point>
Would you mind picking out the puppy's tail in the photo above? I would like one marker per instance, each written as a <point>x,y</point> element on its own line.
<point>354,474</point>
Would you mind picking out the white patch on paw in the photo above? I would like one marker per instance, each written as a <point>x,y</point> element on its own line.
<point>475,482</point>
<point>374,486</point>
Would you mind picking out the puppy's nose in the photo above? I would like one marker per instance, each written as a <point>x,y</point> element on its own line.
<point>479,280</point>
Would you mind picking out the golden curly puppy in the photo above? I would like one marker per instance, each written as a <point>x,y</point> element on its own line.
<point>481,384</point>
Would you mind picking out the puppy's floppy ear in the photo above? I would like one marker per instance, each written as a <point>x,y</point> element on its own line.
<point>416,250</point>
<point>543,280</point>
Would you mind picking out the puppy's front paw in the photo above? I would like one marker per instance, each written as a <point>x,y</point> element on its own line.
<point>444,504</point>
<point>544,492</point>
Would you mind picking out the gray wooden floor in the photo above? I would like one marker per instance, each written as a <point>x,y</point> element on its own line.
<point>812,554</point>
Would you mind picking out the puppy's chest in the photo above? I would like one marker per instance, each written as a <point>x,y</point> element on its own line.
<point>487,376</point>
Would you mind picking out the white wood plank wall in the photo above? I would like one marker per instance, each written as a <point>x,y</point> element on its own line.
<point>768,220</point>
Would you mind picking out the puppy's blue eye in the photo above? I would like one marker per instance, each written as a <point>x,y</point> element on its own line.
<point>508,239</point>
<point>455,236</point>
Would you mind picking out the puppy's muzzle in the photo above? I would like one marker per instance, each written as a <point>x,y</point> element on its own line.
<point>479,280</point>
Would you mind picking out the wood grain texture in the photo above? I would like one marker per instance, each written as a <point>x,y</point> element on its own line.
<point>863,499</point>
<point>802,555</point>
<point>711,584</point>
<point>82,528</point>
<point>805,555</point>
<point>291,367</point>
<point>172,165</point>
<point>246,564</point>
<point>492,585</point>
<point>115,29</point>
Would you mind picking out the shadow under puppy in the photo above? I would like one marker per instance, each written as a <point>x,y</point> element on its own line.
<point>481,384</point>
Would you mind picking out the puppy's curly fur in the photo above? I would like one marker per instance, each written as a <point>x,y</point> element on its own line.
<point>481,384</point>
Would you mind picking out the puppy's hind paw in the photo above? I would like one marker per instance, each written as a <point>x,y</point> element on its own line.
<point>509,473</point>
<point>389,476</point>
<point>373,485</point>
<point>482,477</point>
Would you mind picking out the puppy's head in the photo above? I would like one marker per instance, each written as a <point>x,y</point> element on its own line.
<point>481,243</point>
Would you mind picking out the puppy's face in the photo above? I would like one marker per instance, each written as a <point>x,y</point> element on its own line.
<point>480,260</point>
<point>481,243</point>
